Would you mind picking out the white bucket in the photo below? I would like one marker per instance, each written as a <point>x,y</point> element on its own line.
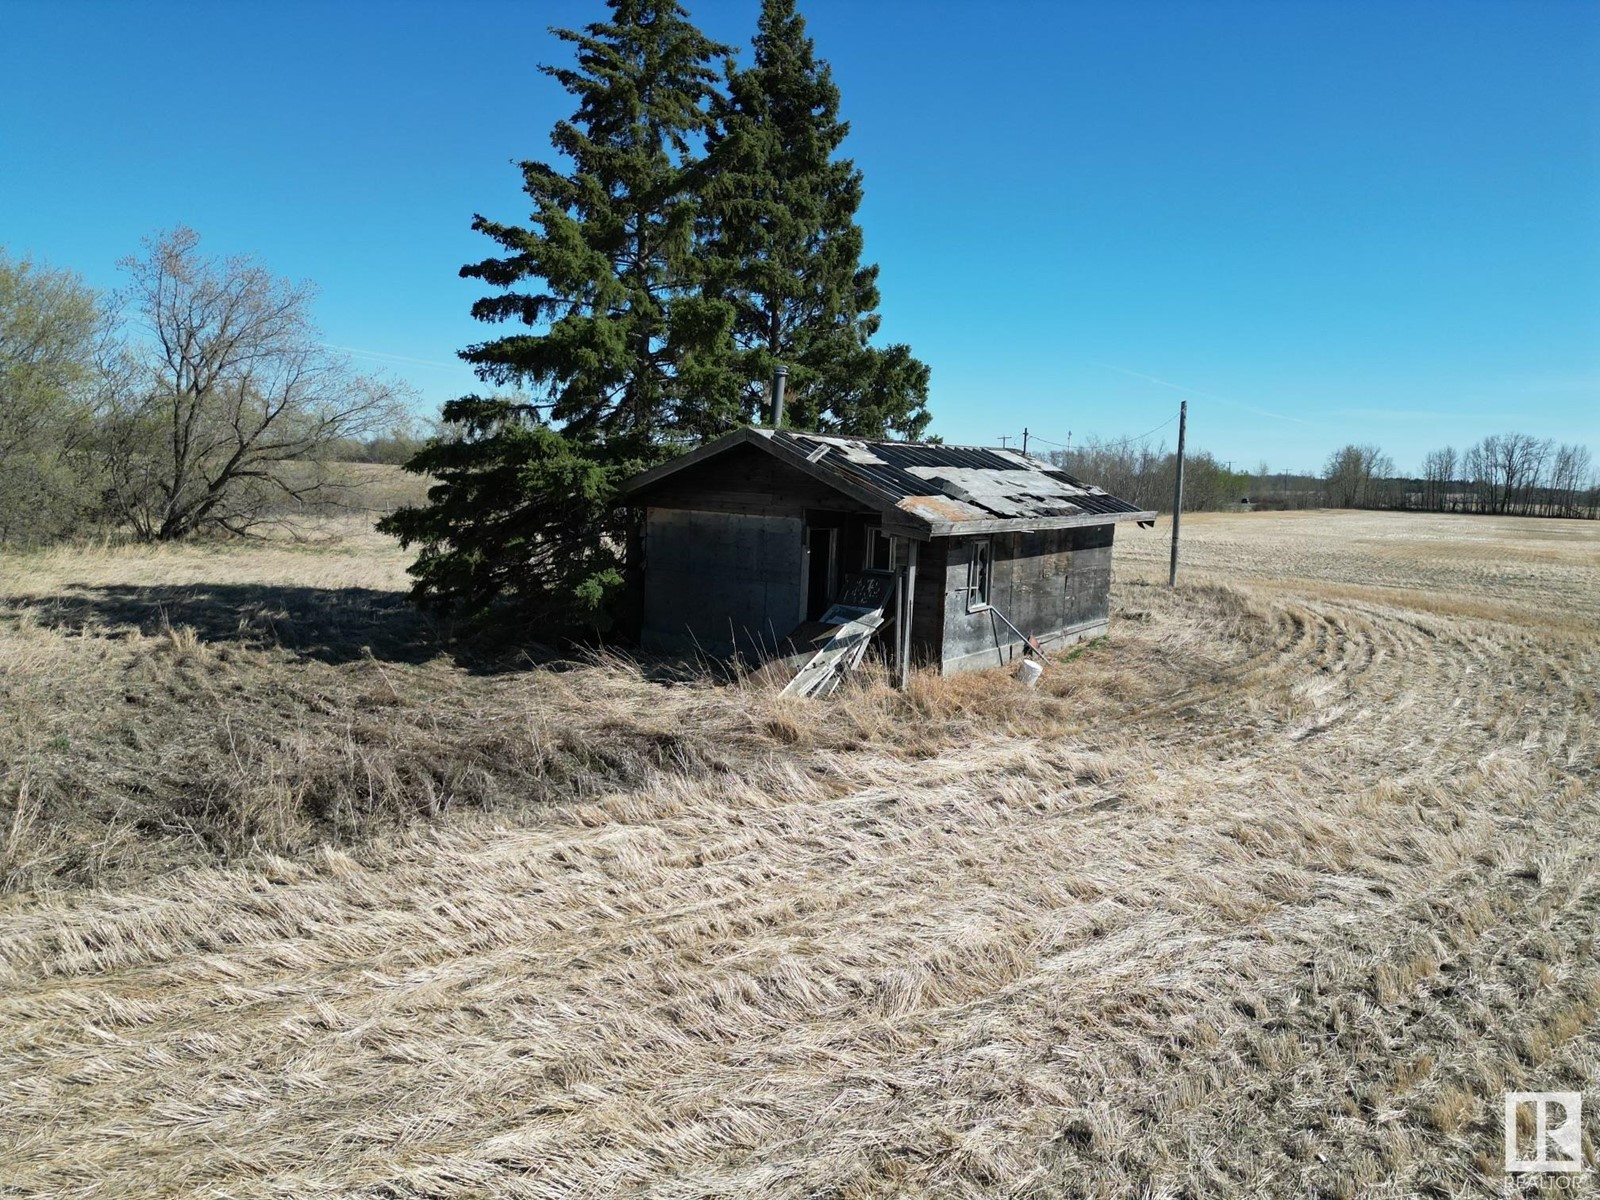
<point>1029,671</point>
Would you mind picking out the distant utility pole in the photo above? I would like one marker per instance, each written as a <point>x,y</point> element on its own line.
<point>1024,439</point>
<point>1069,441</point>
<point>1177,494</point>
<point>1004,438</point>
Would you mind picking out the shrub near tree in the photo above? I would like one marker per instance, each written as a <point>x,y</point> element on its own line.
<point>52,338</point>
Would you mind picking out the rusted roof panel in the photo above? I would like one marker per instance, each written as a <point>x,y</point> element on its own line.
<point>941,508</point>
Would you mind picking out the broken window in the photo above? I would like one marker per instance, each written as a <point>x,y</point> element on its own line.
<point>978,574</point>
<point>882,550</point>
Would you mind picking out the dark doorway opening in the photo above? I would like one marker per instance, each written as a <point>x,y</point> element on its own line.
<point>822,576</point>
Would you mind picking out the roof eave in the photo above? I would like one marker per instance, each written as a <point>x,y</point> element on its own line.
<point>1030,524</point>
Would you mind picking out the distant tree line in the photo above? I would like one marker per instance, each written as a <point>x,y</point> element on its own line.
<point>199,398</point>
<point>1506,473</point>
<point>1510,474</point>
<point>1145,475</point>
<point>393,449</point>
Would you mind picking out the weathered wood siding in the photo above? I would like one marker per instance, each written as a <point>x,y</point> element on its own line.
<point>746,481</point>
<point>725,551</point>
<point>928,603</point>
<point>720,582</point>
<point>1054,585</point>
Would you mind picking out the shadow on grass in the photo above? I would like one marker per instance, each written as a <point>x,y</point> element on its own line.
<point>331,625</point>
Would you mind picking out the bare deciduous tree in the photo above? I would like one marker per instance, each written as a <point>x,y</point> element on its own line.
<point>1438,471</point>
<point>1569,474</point>
<point>1351,471</point>
<point>232,399</point>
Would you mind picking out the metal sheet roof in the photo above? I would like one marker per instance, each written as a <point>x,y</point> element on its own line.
<point>928,488</point>
<point>964,483</point>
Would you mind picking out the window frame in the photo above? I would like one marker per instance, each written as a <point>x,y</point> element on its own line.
<point>891,546</point>
<point>980,578</point>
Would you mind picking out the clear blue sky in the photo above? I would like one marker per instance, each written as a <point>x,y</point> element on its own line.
<point>1321,222</point>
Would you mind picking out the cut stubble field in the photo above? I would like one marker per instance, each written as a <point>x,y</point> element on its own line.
<point>1272,893</point>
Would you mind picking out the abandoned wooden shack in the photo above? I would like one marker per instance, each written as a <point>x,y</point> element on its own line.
<point>764,542</point>
<point>767,543</point>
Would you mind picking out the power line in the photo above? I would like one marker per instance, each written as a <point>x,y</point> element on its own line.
<point>1110,445</point>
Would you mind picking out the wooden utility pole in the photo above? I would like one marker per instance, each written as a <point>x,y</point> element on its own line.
<point>1177,494</point>
<point>1024,439</point>
<point>1004,438</point>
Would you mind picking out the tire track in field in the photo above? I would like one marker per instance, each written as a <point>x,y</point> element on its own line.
<point>957,948</point>
<point>1417,684</point>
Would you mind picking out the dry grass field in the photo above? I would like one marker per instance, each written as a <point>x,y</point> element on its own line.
<point>1272,893</point>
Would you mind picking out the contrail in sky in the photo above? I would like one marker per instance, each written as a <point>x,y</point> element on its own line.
<point>1260,412</point>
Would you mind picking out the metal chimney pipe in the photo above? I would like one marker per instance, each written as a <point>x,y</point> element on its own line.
<point>779,377</point>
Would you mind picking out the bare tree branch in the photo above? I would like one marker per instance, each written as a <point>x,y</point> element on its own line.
<point>234,395</point>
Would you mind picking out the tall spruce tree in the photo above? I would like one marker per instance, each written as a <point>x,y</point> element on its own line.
<point>783,247</point>
<point>618,357</point>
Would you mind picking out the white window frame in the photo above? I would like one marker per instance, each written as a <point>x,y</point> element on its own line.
<point>980,573</point>
<point>890,541</point>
